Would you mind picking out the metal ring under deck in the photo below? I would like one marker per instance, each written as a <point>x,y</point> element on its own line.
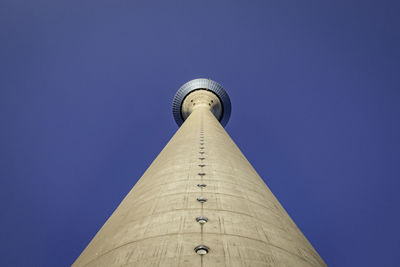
<point>205,84</point>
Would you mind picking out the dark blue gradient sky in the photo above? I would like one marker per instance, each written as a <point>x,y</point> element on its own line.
<point>85,106</point>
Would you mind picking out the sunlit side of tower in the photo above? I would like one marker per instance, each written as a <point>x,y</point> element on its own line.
<point>200,203</point>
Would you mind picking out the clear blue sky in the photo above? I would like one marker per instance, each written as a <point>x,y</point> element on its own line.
<point>85,106</point>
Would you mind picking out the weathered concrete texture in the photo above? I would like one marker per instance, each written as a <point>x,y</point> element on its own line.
<point>155,225</point>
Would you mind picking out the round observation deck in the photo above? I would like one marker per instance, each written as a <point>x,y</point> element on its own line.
<point>201,84</point>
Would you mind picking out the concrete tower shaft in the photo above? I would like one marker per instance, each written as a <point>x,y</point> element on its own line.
<point>201,99</point>
<point>200,203</point>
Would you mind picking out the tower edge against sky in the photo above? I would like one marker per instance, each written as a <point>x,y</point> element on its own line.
<point>200,203</point>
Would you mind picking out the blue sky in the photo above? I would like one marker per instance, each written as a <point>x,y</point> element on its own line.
<point>85,106</point>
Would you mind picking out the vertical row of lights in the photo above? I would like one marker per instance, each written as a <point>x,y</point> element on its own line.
<point>201,249</point>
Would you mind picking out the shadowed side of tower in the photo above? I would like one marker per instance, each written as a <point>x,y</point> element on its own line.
<point>200,203</point>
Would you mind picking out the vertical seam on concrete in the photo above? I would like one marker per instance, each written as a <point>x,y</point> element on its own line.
<point>201,179</point>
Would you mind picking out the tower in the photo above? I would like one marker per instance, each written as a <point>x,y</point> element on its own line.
<point>200,203</point>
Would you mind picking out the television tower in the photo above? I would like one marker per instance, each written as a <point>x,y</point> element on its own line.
<point>200,203</point>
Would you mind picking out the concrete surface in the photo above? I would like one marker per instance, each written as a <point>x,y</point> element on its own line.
<point>155,225</point>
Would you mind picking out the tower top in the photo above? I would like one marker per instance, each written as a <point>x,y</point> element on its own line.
<point>221,107</point>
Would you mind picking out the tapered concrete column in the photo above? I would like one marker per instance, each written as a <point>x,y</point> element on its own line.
<point>200,203</point>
